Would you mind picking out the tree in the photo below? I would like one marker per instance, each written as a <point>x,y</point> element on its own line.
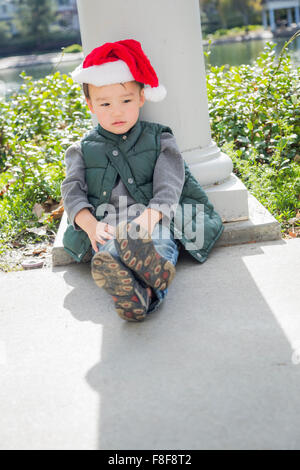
<point>210,18</point>
<point>4,32</point>
<point>246,8</point>
<point>34,18</point>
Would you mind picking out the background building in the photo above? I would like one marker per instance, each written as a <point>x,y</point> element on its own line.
<point>292,8</point>
<point>7,14</point>
<point>67,13</point>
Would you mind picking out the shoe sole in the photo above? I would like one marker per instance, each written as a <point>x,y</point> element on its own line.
<point>140,255</point>
<point>111,275</point>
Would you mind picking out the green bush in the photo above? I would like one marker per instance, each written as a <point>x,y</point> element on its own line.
<point>73,48</point>
<point>37,124</point>
<point>255,118</point>
<point>220,32</point>
<point>232,32</point>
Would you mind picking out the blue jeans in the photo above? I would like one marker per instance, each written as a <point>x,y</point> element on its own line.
<point>165,245</point>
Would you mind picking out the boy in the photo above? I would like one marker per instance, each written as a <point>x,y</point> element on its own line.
<point>139,161</point>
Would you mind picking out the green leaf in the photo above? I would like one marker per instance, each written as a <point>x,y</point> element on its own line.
<point>294,99</point>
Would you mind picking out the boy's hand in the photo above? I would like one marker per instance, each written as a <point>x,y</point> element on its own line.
<point>100,233</point>
<point>148,219</point>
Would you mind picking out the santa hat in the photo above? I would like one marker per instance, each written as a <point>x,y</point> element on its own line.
<point>117,62</point>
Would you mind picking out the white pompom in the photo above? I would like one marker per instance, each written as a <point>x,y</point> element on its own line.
<point>155,94</point>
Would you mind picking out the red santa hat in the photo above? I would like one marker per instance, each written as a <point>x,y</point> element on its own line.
<point>117,62</point>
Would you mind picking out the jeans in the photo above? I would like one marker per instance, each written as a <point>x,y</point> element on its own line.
<point>165,245</point>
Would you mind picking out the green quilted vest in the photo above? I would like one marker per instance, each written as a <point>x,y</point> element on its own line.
<point>133,156</point>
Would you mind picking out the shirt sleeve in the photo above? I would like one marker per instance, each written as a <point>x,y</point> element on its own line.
<point>168,177</point>
<point>74,187</point>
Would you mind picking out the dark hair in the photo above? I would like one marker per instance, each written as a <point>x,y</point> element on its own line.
<point>86,92</point>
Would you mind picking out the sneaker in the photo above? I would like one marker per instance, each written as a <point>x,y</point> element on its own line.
<point>140,255</point>
<point>131,299</point>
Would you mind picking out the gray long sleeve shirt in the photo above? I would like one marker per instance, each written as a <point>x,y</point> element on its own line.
<point>168,180</point>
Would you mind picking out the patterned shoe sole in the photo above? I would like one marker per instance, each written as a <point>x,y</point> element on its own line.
<point>131,300</point>
<point>139,254</point>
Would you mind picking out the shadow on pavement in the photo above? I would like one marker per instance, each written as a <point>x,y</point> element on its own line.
<point>211,369</point>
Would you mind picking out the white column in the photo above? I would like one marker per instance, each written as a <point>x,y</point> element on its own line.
<point>272,19</point>
<point>297,16</point>
<point>265,19</point>
<point>172,39</point>
<point>289,18</point>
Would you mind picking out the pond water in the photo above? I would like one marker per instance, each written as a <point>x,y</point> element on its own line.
<point>10,79</point>
<point>226,53</point>
<point>246,52</point>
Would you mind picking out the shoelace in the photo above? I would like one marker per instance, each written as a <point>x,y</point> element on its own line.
<point>141,297</point>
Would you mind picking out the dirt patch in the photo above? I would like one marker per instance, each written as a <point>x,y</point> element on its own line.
<point>12,258</point>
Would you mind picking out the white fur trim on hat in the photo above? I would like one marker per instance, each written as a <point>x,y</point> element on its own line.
<point>114,72</point>
<point>104,74</point>
<point>155,93</point>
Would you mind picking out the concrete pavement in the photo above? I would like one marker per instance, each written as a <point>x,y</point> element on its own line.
<point>216,367</point>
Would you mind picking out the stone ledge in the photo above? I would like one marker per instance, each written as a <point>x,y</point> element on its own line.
<point>59,255</point>
<point>261,226</point>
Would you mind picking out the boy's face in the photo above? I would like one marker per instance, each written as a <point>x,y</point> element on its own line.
<point>117,107</point>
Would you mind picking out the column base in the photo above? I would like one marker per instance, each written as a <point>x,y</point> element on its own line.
<point>208,164</point>
<point>213,170</point>
<point>230,199</point>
